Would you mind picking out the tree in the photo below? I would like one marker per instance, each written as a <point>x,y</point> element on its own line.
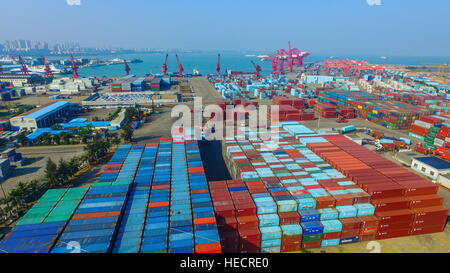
<point>127,133</point>
<point>115,141</point>
<point>22,139</point>
<point>51,173</point>
<point>63,171</point>
<point>56,139</point>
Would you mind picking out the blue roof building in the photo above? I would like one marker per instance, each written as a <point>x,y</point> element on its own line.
<point>42,117</point>
<point>430,166</point>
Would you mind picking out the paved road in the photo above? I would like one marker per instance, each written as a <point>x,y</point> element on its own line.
<point>160,125</point>
<point>37,157</point>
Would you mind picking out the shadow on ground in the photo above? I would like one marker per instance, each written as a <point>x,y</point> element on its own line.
<point>211,153</point>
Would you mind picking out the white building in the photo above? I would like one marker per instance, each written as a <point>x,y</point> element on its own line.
<point>431,166</point>
<point>444,180</point>
<point>69,86</point>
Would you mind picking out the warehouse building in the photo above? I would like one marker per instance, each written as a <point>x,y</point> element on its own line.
<point>42,117</point>
<point>19,80</point>
<point>431,166</point>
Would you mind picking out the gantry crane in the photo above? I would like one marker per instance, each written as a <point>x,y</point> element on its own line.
<point>218,65</point>
<point>47,70</point>
<point>164,67</point>
<point>23,66</point>
<point>127,68</point>
<point>257,69</point>
<point>74,68</point>
<point>180,67</point>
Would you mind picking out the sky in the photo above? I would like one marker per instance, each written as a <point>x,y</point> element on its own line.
<point>394,28</point>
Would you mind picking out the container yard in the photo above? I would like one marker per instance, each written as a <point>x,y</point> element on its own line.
<point>308,192</point>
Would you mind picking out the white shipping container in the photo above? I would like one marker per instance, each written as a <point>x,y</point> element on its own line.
<point>423,124</point>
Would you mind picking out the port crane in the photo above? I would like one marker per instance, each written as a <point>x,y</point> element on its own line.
<point>257,69</point>
<point>180,67</point>
<point>218,65</point>
<point>23,66</point>
<point>74,68</point>
<point>164,67</point>
<point>127,68</point>
<point>47,70</point>
<point>292,57</point>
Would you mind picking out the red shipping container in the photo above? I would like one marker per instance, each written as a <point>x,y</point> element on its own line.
<point>395,226</point>
<point>378,191</point>
<point>369,221</point>
<point>247,222</point>
<point>368,231</point>
<point>426,230</point>
<point>331,235</point>
<point>430,213</point>
<point>290,247</point>
<point>350,233</point>
<point>208,248</point>
<point>227,224</point>
<point>395,216</point>
<point>343,200</point>
<point>392,234</point>
<point>370,237</point>
<point>420,201</point>
<point>419,188</point>
<point>289,218</point>
<point>351,223</point>
<point>430,222</point>
<point>225,211</point>
<point>393,203</point>
<point>325,202</point>
<point>245,208</point>
<point>311,245</point>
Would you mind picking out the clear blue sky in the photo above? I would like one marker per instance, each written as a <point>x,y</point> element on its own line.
<point>397,27</point>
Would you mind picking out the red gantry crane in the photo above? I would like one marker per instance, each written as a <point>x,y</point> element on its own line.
<point>180,67</point>
<point>74,68</point>
<point>218,65</point>
<point>127,68</point>
<point>286,59</point>
<point>164,67</point>
<point>23,66</point>
<point>257,69</point>
<point>47,70</point>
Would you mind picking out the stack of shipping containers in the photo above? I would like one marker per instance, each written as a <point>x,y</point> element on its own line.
<point>393,115</point>
<point>434,131</point>
<point>405,203</point>
<point>39,228</point>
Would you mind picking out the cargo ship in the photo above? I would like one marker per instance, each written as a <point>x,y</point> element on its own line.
<point>121,61</point>
<point>40,69</point>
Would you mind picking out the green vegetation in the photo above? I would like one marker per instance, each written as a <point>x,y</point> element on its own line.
<point>114,115</point>
<point>57,175</point>
<point>127,134</point>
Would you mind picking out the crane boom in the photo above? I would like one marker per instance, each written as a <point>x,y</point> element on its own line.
<point>127,68</point>
<point>74,68</point>
<point>47,70</point>
<point>164,66</point>
<point>257,69</point>
<point>23,66</point>
<point>180,67</point>
<point>218,65</point>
